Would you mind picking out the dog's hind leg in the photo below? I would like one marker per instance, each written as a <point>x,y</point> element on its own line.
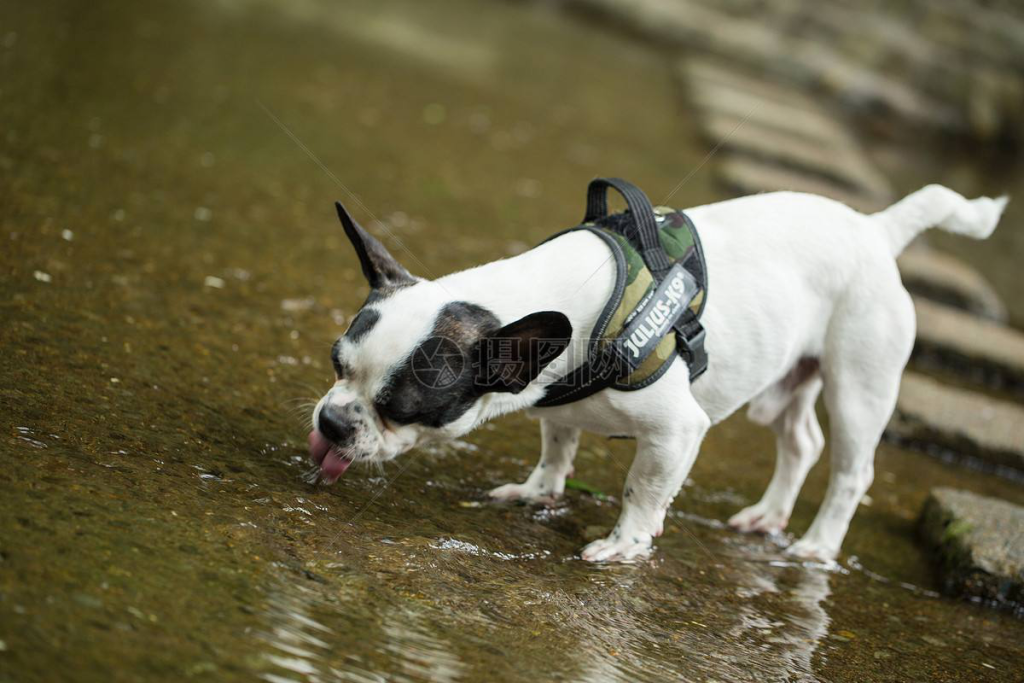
<point>867,346</point>
<point>547,481</point>
<point>788,407</point>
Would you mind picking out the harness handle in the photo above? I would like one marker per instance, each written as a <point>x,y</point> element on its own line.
<point>645,226</point>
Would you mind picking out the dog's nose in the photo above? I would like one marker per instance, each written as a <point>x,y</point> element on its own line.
<point>335,424</point>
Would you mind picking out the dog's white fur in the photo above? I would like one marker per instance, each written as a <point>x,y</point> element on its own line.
<point>791,277</point>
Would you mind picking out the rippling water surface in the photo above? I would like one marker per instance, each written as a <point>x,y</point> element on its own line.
<point>173,278</point>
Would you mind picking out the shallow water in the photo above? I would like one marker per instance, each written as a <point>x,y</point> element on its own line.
<point>173,278</point>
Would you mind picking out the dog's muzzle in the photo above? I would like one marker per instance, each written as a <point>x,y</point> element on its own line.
<point>336,425</point>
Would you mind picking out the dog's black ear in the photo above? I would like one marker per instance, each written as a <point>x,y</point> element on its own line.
<point>379,266</point>
<point>511,357</point>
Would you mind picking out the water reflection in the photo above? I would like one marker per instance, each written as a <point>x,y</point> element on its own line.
<point>795,633</point>
<point>606,624</point>
<point>298,644</point>
<point>421,654</point>
<point>299,647</point>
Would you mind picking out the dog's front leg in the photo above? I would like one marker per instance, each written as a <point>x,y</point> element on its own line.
<point>547,481</point>
<point>659,469</point>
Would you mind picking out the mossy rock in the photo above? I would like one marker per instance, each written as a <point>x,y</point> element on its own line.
<point>980,544</point>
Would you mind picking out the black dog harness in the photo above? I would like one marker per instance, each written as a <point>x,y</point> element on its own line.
<point>659,295</point>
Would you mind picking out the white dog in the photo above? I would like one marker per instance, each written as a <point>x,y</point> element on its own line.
<point>805,296</point>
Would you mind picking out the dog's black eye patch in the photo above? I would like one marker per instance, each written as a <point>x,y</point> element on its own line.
<point>359,327</point>
<point>339,368</point>
<point>400,406</point>
<point>362,324</point>
<point>435,384</point>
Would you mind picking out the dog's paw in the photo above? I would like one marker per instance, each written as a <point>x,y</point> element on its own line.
<point>759,519</point>
<point>525,492</point>
<point>619,548</point>
<point>805,549</point>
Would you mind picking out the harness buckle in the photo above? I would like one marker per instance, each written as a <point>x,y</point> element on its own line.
<point>692,344</point>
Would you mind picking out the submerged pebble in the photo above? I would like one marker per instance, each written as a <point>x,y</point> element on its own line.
<point>297,305</point>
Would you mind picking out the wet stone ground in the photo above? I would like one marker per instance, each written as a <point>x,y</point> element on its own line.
<point>173,277</point>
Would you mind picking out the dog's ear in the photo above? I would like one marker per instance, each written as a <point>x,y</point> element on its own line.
<point>511,357</point>
<point>379,266</point>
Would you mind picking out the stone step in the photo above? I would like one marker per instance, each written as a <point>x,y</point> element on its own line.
<point>959,424</point>
<point>725,90</point>
<point>835,161</point>
<point>948,280</point>
<point>980,544</point>
<point>745,175</point>
<point>779,54</point>
<point>772,106</point>
<point>777,138</point>
<point>976,348</point>
<point>780,125</point>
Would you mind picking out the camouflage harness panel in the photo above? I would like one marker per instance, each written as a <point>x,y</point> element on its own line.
<point>634,286</point>
<point>680,242</point>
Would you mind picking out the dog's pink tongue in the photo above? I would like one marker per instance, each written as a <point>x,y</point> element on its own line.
<point>322,453</point>
<point>333,466</point>
<point>318,447</point>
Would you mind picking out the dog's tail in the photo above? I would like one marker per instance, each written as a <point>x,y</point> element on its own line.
<point>938,206</point>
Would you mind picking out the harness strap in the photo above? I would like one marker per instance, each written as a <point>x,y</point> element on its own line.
<point>689,332</point>
<point>644,231</point>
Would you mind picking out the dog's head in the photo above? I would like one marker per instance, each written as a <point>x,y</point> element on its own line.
<point>416,364</point>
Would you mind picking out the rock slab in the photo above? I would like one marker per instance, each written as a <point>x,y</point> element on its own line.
<point>774,137</point>
<point>965,424</point>
<point>949,66</point>
<point>743,175</point>
<point>947,280</point>
<point>970,345</point>
<point>980,542</point>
